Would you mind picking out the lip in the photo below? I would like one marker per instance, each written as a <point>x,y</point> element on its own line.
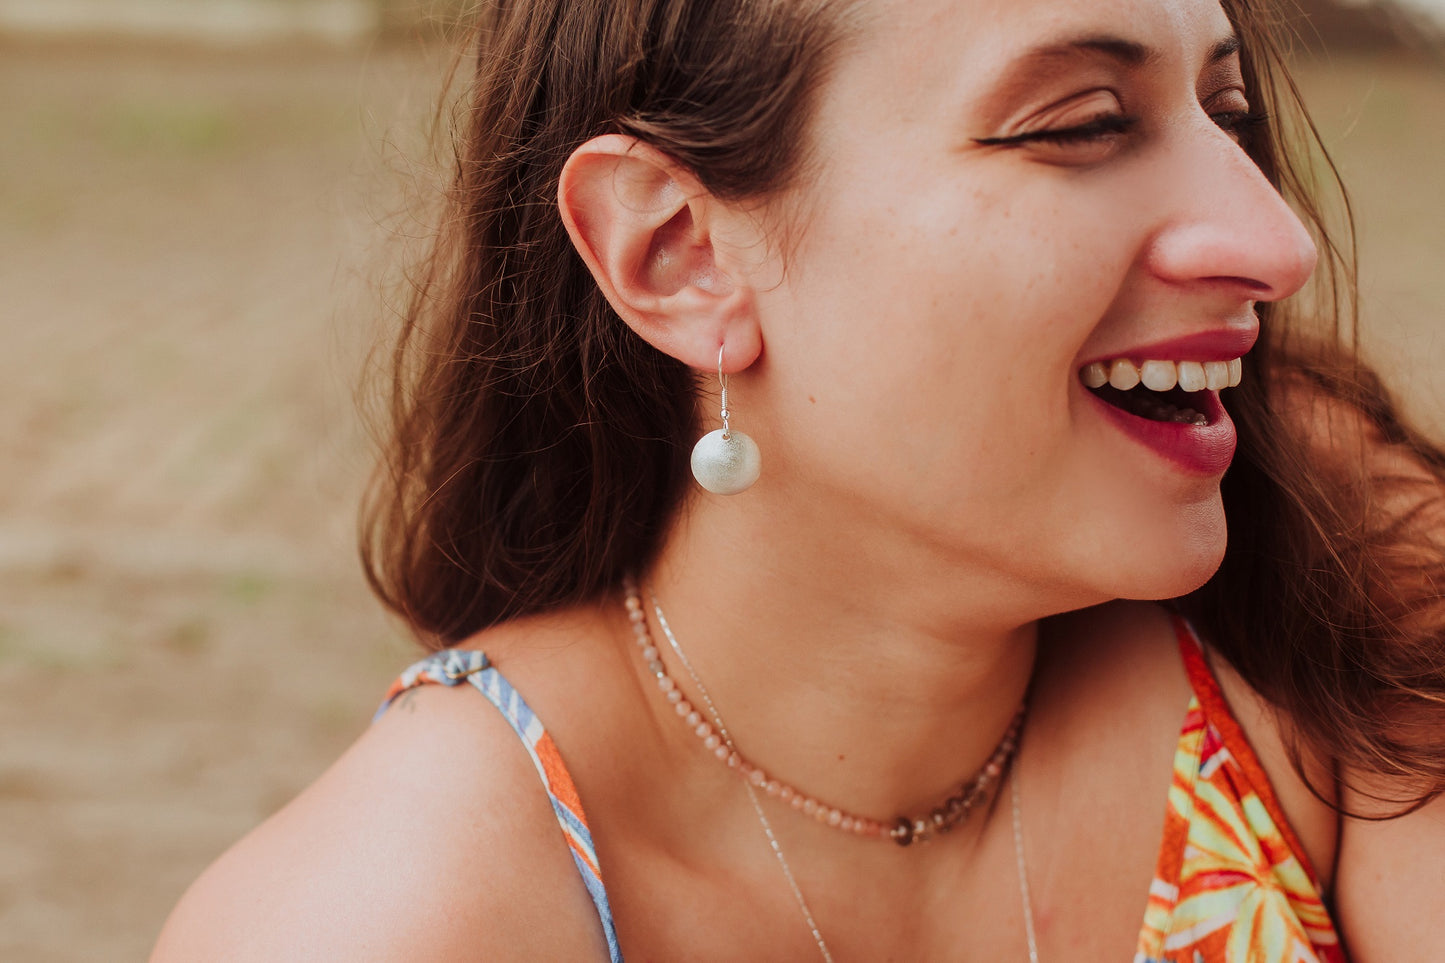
<point>1204,450</point>
<point>1220,344</point>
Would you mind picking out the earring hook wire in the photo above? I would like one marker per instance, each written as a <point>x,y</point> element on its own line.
<point>723,382</point>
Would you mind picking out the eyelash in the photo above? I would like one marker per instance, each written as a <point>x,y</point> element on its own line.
<point>1235,122</point>
<point>1109,125</point>
<point>1241,122</point>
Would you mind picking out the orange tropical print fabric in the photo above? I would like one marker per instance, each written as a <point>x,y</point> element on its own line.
<point>1232,884</point>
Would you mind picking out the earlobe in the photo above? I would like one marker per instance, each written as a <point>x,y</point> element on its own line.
<point>644,227</point>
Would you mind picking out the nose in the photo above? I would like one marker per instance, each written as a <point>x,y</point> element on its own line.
<point>1227,224</point>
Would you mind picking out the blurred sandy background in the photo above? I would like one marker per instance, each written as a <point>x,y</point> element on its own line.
<point>192,222</point>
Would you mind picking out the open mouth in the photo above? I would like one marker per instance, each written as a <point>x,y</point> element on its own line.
<point>1167,391</point>
<point>1175,405</point>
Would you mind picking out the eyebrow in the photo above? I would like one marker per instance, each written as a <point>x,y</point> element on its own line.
<point>1053,55</point>
<point>1130,53</point>
<point>1227,47</point>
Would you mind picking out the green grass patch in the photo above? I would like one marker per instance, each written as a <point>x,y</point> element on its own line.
<point>250,588</point>
<point>190,129</point>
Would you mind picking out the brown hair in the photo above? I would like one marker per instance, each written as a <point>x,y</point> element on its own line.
<point>538,447</point>
<point>1328,601</point>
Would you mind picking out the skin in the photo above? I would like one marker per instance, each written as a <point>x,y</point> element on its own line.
<point>936,482</point>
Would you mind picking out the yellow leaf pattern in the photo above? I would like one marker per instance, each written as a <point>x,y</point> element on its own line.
<point>1231,884</point>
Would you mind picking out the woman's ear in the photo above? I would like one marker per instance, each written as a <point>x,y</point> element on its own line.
<point>648,232</point>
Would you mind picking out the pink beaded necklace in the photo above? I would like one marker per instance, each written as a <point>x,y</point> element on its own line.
<point>903,830</point>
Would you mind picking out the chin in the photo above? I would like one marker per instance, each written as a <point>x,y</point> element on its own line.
<point>1161,586</point>
<point>1174,570</point>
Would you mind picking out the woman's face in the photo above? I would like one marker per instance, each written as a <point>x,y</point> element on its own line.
<point>1004,193</point>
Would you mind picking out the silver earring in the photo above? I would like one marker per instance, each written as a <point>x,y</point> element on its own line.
<point>724,461</point>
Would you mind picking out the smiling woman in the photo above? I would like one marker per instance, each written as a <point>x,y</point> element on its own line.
<point>999,291</point>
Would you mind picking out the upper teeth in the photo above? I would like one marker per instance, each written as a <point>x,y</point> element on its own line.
<point>1163,375</point>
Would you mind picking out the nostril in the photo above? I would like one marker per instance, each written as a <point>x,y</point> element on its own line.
<point>1258,290</point>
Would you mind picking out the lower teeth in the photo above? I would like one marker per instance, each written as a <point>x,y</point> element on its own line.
<point>1183,416</point>
<point>1153,406</point>
<point>1159,411</point>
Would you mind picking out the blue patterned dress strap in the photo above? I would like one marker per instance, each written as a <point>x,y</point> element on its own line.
<point>453,667</point>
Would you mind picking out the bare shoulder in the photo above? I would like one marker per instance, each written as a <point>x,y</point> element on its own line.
<point>429,839</point>
<point>1390,883</point>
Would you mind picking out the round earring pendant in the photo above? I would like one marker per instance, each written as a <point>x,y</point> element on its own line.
<point>726,465</point>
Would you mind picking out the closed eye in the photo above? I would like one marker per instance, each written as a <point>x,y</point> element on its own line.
<point>1102,128</point>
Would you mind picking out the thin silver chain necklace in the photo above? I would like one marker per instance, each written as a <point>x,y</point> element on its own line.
<point>1018,821</point>
<point>777,848</point>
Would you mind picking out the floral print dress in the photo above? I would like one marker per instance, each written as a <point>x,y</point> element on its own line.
<point>1233,884</point>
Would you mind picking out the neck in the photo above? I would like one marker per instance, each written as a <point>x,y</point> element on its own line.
<point>873,688</point>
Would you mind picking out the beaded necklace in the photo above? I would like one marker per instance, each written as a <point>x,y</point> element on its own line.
<point>903,830</point>
<point>719,741</point>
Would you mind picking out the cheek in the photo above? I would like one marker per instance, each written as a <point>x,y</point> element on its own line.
<point>936,330</point>
<point>945,327</point>
<point>963,275</point>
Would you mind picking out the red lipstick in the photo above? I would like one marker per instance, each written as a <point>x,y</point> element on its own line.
<point>1220,344</point>
<point>1204,450</point>
<point>1198,449</point>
